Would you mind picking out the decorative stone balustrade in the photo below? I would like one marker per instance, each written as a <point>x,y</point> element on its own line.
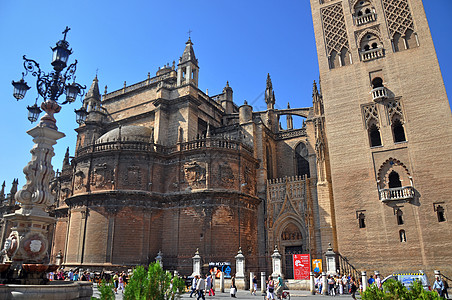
<point>379,93</point>
<point>372,54</point>
<point>294,185</point>
<point>364,19</point>
<point>214,142</point>
<point>395,194</point>
<point>136,86</point>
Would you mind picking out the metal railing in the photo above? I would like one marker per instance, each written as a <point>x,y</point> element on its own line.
<point>345,267</point>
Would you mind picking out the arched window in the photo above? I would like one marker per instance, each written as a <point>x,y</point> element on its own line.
<point>362,220</point>
<point>345,57</point>
<point>301,157</point>
<point>377,82</point>
<point>398,131</point>
<point>399,215</point>
<point>440,213</point>
<point>335,59</point>
<point>374,136</point>
<point>398,43</point>
<point>394,180</point>
<point>410,38</point>
<point>402,236</point>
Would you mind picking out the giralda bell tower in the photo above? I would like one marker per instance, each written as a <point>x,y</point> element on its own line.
<point>389,129</point>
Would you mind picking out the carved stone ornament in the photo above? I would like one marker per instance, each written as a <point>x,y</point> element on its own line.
<point>102,175</point>
<point>11,245</point>
<point>34,245</point>
<point>195,174</point>
<point>226,175</point>
<point>132,176</point>
<point>79,180</point>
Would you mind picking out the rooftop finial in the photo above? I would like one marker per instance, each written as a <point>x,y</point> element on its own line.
<point>65,32</point>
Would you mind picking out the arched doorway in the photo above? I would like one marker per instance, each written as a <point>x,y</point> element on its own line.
<point>292,242</point>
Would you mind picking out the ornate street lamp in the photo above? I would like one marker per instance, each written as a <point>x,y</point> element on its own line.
<point>31,220</point>
<point>80,115</point>
<point>51,85</point>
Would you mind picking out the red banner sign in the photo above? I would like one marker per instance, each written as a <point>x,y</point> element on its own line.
<point>301,266</point>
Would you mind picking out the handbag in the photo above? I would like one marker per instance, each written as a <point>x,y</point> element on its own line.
<point>270,289</point>
<point>232,290</point>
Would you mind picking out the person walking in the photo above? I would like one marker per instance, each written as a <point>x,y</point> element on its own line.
<point>353,287</point>
<point>438,286</point>
<point>209,284</point>
<point>233,288</point>
<point>193,285</point>
<point>254,285</point>
<point>121,282</point>
<point>200,287</point>
<point>331,284</point>
<point>270,288</point>
<point>446,286</point>
<point>279,287</point>
<point>116,282</point>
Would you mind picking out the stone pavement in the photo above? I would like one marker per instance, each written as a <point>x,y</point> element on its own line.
<point>294,294</point>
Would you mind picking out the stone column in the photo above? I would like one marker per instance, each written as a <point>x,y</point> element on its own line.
<point>222,282</point>
<point>324,284</point>
<point>196,264</point>
<point>312,282</point>
<point>276,263</point>
<point>251,281</point>
<point>263,287</point>
<point>364,280</point>
<point>240,270</point>
<point>159,259</point>
<point>330,261</point>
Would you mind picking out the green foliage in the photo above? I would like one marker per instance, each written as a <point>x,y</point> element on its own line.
<point>395,290</point>
<point>155,284</point>
<point>106,290</point>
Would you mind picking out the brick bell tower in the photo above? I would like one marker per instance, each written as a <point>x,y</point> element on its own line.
<point>389,129</point>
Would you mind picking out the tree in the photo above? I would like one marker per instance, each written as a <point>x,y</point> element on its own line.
<point>155,284</point>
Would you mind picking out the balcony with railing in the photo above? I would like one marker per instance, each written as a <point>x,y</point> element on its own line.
<point>372,54</point>
<point>405,193</point>
<point>379,93</point>
<point>367,18</point>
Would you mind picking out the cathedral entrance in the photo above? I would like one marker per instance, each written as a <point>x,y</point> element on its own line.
<point>288,259</point>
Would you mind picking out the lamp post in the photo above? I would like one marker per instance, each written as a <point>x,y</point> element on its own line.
<point>30,224</point>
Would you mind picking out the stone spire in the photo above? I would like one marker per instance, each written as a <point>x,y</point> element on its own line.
<point>93,91</point>
<point>187,69</point>
<point>66,158</point>
<point>2,192</point>
<point>189,53</point>
<point>269,93</point>
<point>14,187</point>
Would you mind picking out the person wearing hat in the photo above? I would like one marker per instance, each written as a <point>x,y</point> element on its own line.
<point>438,286</point>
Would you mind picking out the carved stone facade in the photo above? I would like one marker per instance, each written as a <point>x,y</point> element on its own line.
<point>161,166</point>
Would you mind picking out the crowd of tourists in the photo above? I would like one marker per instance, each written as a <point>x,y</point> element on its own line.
<point>202,286</point>
<point>343,284</point>
<point>119,279</point>
<point>71,275</point>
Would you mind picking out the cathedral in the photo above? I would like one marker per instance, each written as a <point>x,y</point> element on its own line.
<point>162,167</point>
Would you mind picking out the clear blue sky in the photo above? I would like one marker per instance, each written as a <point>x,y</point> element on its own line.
<point>239,41</point>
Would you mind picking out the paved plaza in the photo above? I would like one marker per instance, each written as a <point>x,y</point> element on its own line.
<point>294,294</point>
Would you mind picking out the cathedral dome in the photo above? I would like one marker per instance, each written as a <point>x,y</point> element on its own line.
<point>128,133</point>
